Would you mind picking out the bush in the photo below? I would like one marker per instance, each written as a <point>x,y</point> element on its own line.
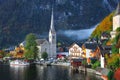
<point>111,75</point>
<point>93,61</point>
<point>96,64</point>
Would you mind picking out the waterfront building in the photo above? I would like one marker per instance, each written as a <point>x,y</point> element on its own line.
<point>89,49</point>
<point>116,21</point>
<point>75,51</point>
<point>48,46</point>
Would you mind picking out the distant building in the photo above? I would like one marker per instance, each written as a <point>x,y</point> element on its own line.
<point>116,21</point>
<point>105,36</point>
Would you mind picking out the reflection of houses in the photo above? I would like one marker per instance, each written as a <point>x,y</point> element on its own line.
<point>75,51</point>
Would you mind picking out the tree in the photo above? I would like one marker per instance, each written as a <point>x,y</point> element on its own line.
<point>96,64</point>
<point>113,61</point>
<point>44,55</point>
<point>2,53</point>
<point>31,49</point>
<point>115,42</point>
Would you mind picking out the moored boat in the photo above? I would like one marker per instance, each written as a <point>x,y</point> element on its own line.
<point>19,63</point>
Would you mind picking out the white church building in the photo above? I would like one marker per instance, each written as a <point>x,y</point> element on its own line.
<point>48,46</point>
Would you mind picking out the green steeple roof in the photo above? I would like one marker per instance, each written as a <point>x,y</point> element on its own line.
<point>117,12</point>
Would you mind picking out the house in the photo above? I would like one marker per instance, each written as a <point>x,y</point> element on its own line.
<point>75,63</point>
<point>75,51</point>
<point>105,36</point>
<point>62,55</point>
<point>89,49</point>
<point>104,50</point>
<point>18,52</point>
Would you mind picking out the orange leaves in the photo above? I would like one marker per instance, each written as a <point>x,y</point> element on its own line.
<point>105,25</point>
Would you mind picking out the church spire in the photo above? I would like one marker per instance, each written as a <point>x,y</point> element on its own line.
<point>52,22</point>
<point>117,12</point>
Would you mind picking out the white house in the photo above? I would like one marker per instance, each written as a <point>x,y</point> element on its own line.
<point>89,49</point>
<point>75,51</point>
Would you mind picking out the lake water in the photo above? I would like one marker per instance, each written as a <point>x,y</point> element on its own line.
<point>42,73</point>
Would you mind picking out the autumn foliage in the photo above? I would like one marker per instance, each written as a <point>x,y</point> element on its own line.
<point>105,25</point>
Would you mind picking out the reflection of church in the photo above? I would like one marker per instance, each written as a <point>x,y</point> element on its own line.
<point>48,46</point>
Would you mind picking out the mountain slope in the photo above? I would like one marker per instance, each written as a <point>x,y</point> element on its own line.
<point>105,25</point>
<point>20,17</point>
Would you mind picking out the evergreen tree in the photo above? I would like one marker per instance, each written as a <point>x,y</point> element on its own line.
<point>115,41</point>
<point>31,49</point>
<point>44,55</point>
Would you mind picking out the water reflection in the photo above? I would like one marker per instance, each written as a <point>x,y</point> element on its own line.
<point>18,72</point>
<point>42,73</point>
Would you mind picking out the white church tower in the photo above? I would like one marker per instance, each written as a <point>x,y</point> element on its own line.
<point>52,38</point>
<point>116,21</point>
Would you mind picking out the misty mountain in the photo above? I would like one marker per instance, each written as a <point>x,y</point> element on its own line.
<point>20,17</point>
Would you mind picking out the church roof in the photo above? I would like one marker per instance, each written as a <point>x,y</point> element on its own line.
<point>117,12</point>
<point>52,29</point>
<point>40,41</point>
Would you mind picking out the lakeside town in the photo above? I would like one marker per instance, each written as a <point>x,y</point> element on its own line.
<point>97,56</point>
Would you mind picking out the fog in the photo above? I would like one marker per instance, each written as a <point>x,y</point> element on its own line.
<point>78,34</point>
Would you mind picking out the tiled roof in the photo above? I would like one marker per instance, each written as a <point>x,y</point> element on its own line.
<point>40,41</point>
<point>92,46</point>
<point>105,49</point>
